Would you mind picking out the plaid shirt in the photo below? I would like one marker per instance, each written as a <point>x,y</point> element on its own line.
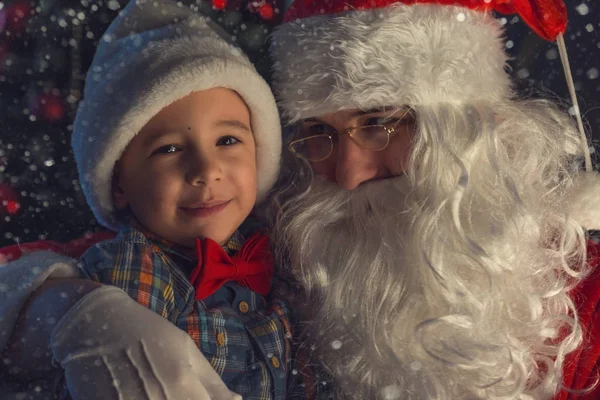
<point>245,336</point>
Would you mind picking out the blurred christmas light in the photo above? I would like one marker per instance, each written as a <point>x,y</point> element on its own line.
<point>219,4</point>
<point>9,200</point>
<point>12,207</point>
<point>17,16</point>
<point>266,11</point>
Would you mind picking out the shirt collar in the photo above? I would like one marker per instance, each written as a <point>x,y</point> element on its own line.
<point>232,246</point>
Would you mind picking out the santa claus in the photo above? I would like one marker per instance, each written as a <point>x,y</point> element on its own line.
<point>433,217</point>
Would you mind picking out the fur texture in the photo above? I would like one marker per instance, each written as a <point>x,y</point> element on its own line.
<point>401,54</point>
<point>584,202</point>
<point>449,282</point>
<point>153,54</point>
<point>22,277</point>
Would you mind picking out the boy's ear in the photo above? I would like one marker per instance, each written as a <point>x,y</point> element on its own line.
<point>118,194</point>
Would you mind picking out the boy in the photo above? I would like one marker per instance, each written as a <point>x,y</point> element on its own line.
<point>177,140</point>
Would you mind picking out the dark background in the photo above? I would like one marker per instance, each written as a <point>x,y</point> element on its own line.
<point>46,47</point>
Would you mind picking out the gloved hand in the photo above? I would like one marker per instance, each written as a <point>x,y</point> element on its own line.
<point>113,348</point>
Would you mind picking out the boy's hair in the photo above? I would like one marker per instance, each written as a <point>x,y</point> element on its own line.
<point>153,54</point>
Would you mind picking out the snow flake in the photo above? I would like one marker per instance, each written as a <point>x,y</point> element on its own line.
<point>523,73</point>
<point>114,5</point>
<point>552,54</point>
<point>415,365</point>
<point>573,111</point>
<point>582,9</point>
<point>391,392</point>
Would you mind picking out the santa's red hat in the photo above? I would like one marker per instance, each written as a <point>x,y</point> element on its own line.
<point>341,54</point>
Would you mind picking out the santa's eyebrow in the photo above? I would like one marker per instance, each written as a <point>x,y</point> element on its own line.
<point>370,111</point>
<point>358,113</point>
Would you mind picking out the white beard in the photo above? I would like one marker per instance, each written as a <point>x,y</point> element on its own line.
<point>406,302</point>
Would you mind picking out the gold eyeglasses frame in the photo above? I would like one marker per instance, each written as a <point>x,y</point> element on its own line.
<point>389,130</point>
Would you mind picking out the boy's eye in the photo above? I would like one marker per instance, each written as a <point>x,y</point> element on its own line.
<point>227,141</point>
<point>168,149</point>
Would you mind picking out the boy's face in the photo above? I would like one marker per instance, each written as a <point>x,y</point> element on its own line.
<point>191,171</point>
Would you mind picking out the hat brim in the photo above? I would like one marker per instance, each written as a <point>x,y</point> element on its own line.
<point>396,55</point>
<point>172,69</point>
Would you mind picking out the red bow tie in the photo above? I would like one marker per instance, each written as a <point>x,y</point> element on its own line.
<point>251,267</point>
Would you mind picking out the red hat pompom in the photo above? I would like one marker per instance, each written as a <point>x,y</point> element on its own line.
<point>547,18</point>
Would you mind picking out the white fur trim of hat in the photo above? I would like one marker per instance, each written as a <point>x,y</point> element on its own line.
<point>153,54</point>
<point>394,55</point>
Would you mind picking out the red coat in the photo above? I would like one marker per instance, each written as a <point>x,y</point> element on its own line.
<point>581,367</point>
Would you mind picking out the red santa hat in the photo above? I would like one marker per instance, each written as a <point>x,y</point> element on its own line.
<point>341,54</point>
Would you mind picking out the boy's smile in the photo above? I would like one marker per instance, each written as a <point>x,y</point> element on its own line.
<point>191,171</point>
<point>206,209</point>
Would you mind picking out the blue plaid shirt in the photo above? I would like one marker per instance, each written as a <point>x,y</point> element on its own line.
<point>246,337</point>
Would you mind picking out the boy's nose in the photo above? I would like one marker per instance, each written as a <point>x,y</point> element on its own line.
<point>203,171</point>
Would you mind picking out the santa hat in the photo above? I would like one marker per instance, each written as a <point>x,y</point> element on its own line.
<point>342,54</point>
<point>335,55</point>
<point>154,53</point>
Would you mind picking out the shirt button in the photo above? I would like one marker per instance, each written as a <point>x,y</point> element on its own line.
<point>220,339</point>
<point>275,362</point>
<point>243,306</point>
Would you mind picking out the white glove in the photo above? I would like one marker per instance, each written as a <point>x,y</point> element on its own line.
<point>113,348</point>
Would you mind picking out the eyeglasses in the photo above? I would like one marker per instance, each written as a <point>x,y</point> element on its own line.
<point>315,142</point>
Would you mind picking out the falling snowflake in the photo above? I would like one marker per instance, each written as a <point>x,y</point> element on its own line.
<point>391,392</point>
<point>336,344</point>
<point>582,9</point>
